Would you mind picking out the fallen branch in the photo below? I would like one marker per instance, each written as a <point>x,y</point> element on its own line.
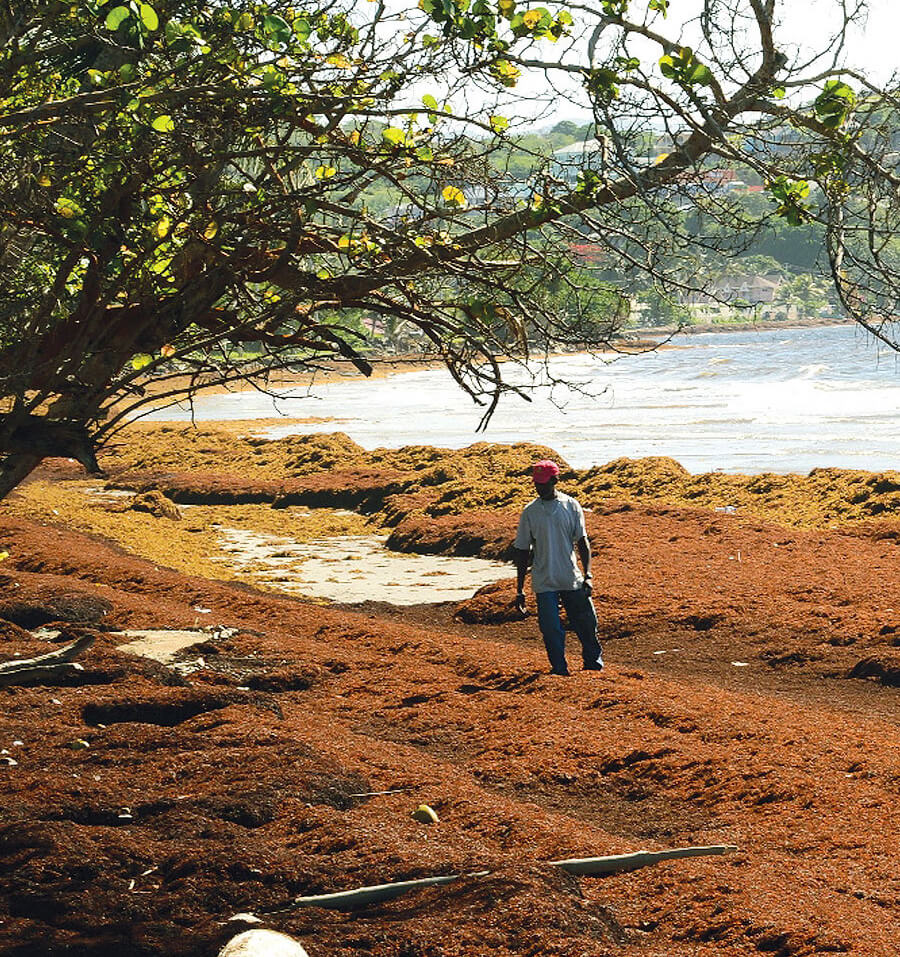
<point>50,665</point>
<point>376,893</point>
<point>616,863</point>
<point>612,864</point>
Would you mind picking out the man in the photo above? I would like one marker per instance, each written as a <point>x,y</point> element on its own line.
<point>552,528</point>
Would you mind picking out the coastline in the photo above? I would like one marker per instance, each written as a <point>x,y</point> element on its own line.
<point>383,367</point>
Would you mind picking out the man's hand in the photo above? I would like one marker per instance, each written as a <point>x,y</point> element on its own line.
<point>588,585</point>
<point>520,603</point>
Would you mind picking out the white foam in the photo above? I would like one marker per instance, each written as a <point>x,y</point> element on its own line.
<point>780,401</point>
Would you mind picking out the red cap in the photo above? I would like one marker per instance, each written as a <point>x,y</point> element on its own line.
<point>544,471</point>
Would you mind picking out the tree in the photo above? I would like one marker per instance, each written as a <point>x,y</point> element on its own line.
<point>188,187</point>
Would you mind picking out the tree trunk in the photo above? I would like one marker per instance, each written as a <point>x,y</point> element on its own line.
<point>15,468</point>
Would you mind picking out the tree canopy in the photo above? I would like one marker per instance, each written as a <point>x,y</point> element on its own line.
<point>199,192</point>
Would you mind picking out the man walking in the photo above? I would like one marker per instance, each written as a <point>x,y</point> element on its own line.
<point>551,528</point>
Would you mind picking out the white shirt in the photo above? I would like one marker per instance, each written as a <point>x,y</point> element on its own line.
<point>552,527</point>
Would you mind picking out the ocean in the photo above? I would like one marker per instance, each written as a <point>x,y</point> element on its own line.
<point>786,400</point>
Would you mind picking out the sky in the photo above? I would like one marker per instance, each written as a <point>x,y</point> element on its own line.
<point>875,47</point>
<point>872,47</point>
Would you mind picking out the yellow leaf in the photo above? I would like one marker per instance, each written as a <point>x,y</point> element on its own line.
<point>4,556</point>
<point>454,196</point>
<point>344,242</point>
<point>325,172</point>
<point>44,180</point>
<point>162,227</point>
<point>532,18</point>
<point>67,208</point>
<point>167,350</point>
<point>211,230</point>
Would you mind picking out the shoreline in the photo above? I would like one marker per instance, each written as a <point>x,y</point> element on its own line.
<point>763,325</point>
<point>644,338</point>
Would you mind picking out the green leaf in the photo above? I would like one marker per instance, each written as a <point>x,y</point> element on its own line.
<point>68,208</point>
<point>302,29</point>
<point>277,28</point>
<point>499,123</point>
<point>430,102</point>
<point>116,17</point>
<point>700,74</point>
<point>149,17</point>
<point>163,124</point>
<point>835,104</point>
<point>393,135</point>
<point>141,361</point>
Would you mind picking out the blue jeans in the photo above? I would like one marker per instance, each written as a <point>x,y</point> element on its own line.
<point>582,618</point>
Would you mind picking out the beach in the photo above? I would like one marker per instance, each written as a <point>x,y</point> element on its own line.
<point>750,700</point>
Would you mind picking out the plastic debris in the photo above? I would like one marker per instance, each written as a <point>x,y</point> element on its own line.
<point>425,814</point>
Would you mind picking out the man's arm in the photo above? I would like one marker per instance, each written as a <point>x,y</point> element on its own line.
<point>522,556</point>
<point>584,555</point>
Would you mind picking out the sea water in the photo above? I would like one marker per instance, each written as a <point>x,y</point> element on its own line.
<point>787,400</point>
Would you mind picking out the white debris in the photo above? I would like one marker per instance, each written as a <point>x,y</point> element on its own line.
<point>260,942</point>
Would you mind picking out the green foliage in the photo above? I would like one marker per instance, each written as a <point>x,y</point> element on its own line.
<point>589,181</point>
<point>601,84</point>
<point>791,196</point>
<point>685,69</point>
<point>835,104</point>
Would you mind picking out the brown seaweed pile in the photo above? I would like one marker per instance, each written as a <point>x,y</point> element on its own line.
<point>331,469</point>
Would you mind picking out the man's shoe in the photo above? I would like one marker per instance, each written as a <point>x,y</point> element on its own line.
<point>559,674</point>
<point>595,666</point>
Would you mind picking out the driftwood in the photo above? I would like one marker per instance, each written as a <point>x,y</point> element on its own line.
<point>376,893</point>
<point>615,863</point>
<point>49,666</point>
